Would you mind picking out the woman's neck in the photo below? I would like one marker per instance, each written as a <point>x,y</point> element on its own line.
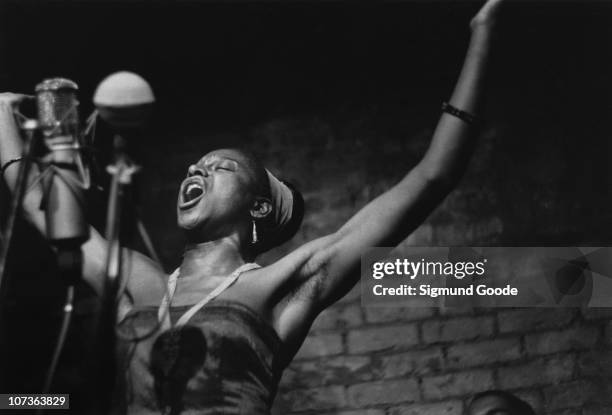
<point>219,257</point>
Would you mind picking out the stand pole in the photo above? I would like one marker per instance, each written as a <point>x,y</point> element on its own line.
<point>121,171</point>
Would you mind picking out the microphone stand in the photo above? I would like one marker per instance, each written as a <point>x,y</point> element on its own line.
<point>64,232</point>
<point>121,170</point>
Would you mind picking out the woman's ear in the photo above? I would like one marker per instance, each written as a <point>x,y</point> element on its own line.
<point>262,207</point>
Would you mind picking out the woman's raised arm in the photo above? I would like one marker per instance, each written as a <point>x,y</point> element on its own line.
<point>389,219</point>
<point>327,268</point>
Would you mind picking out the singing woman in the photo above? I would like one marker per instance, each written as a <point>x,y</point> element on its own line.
<point>228,327</point>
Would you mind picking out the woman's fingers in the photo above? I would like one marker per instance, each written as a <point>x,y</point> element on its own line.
<point>488,13</point>
<point>13,98</point>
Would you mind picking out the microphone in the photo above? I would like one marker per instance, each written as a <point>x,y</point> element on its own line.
<point>124,100</point>
<point>58,121</point>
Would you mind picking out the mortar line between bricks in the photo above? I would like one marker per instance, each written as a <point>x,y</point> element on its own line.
<point>575,369</point>
<point>523,345</point>
<point>420,339</point>
<point>496,377</point>
<point>495,324</point>
<point>444,352</point>
<point>464,404</point>
<point>419,380</point>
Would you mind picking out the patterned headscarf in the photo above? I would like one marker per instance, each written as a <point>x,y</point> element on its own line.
<point>282,200</point>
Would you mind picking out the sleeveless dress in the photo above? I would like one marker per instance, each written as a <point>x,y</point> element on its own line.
<point>221,359</point>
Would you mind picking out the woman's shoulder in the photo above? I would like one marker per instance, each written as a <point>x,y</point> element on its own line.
<point>146,284</point>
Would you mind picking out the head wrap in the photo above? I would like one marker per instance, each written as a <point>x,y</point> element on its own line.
<point>282,200</point>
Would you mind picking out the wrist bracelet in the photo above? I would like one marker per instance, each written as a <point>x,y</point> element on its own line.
<point>8,163</point>
<point>462,115</point>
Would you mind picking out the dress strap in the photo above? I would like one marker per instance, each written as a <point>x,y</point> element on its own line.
<point>163,313</point>
<point>164,308</point>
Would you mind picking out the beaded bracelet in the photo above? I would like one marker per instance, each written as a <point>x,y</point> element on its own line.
<point>462,115</point>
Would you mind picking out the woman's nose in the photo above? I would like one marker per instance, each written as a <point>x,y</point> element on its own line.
<point>193,170</point>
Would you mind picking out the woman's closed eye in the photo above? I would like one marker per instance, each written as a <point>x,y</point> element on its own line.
<point>227,166</point>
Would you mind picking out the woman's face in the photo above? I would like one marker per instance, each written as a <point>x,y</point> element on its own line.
<point>217,194</point>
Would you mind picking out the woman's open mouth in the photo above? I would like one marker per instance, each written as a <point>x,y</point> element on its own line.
<point>191,193</point>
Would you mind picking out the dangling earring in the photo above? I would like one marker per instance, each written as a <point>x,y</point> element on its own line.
<point>254,237</point>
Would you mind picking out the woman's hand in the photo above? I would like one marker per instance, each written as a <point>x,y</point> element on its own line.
<point>487,15</point>
<point>10,139</point>
<point>9,100</point>
<point>12,98</point>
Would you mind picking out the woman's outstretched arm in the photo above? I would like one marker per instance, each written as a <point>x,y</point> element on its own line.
<point>328,268</point>
<point>390,218</point>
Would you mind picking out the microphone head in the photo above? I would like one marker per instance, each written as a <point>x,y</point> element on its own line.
<point>57,106</point>
<point>124,100</point>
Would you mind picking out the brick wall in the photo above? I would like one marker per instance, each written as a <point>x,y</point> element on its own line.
<point>423,361</point>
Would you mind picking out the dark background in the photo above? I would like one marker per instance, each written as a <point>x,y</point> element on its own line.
<point>338,97</point>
